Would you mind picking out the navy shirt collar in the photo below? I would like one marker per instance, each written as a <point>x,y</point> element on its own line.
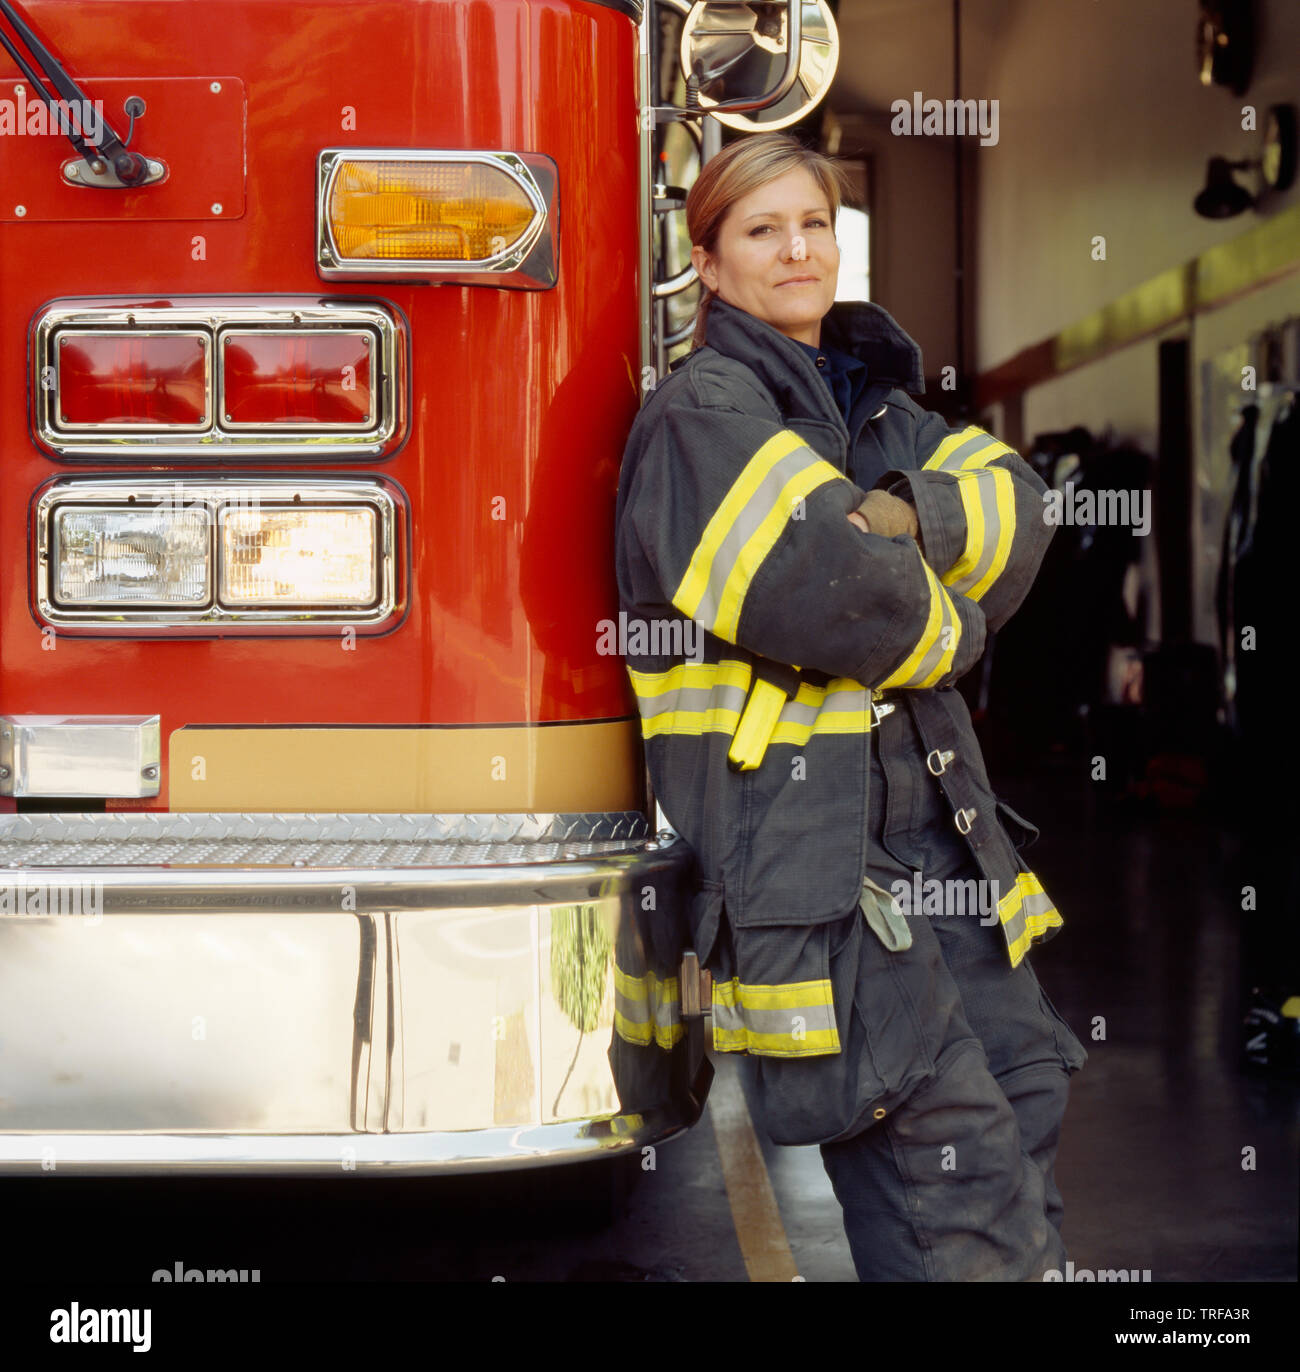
<point>844,374</point>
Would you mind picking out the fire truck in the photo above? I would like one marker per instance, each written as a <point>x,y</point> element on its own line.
<point>325,834</point>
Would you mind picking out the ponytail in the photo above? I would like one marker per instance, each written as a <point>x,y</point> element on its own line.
<point>698,338</point>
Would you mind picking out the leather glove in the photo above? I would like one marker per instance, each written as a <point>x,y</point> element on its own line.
<point>885,514</point>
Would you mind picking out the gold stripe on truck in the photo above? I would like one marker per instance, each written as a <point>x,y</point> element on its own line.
<point>544,768</point>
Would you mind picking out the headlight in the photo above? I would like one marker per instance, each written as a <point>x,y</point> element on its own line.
<point>130,555</point>
<point>299,557</point>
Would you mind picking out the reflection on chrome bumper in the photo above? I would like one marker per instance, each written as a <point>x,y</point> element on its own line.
<point>431,1013</point>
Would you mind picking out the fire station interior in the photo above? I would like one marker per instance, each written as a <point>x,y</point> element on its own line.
<point>1105,274</point>
<point>1102,269</point>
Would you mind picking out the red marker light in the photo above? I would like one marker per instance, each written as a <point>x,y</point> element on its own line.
<point>312,378</point>
<point>131,379</point>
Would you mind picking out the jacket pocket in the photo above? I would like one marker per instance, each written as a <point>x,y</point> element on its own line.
<point>812,1098</point>
<point>1019,829</point>
<point>779,1002</point>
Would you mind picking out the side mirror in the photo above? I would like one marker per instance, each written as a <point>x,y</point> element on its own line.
<point>739,53</point>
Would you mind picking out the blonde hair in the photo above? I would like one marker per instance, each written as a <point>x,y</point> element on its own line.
<point>741,167</point>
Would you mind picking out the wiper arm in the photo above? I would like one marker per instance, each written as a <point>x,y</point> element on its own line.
<point>128,168</point>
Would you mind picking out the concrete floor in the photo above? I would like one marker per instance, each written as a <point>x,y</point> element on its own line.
<point>1150,1163</point>
<point>1151,1158</point>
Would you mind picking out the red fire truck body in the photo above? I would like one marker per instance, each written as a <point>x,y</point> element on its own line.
<point>310,449</point>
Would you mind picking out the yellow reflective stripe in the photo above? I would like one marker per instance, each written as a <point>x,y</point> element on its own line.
<point>760,543</point>
<point>634,988</point>
<point>841,706</point>
<point>661,999</point>
<point>995,450</point>
<point>728,672</point>
<point>949,444</point>
<point>827,722</point>
<point>695,582</point>
<point>1022,926</point>
<point>930,659</point>
<point>632,1031</point>
<point>792,995</point>
<point>968,450</point>
<point>742,1012</point>
<point>717,720</point>
<point>950,634</point>
<point>726,992</point>
<point>729,1033</point>
<point>929,635</point>
<point>726,678</point>
<point>813,1043</point>
<point>989,504</point>
<point>710,591</point>
<point>639,1035</point>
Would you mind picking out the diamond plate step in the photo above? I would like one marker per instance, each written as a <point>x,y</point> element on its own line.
<point>314,840</point>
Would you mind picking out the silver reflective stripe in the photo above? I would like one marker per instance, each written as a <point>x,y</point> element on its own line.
<point>634,1009</point>
<point>792,712</point>
<point>986,488</point>
<point>667,1011</point>
<point>847,698</point>
<point>1024,902</point>
<point>727,1017</point>
<point>942,643</point>
<point>755,510</point>
<point>841,699</point>
<point>692,698</point>
<point>1036,903</point>
<point>813,1017</point>
<point>958,456</point>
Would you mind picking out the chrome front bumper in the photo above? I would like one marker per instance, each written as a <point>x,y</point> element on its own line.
<point>316,993</point>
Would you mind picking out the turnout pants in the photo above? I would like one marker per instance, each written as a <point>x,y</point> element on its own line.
<point>939,1120</point>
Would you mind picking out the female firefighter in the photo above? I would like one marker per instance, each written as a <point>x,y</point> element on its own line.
<point>862,901</point>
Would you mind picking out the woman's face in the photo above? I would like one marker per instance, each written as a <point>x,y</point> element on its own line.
<point>776,256</point>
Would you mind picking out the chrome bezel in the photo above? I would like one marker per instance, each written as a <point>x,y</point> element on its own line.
<point>240,426</point>
<point>65,426</point>
<point>507,268</point>
<point>215,496</point>
<point>217,439</point>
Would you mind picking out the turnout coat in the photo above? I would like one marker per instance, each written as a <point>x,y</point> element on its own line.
<point>739,573</point>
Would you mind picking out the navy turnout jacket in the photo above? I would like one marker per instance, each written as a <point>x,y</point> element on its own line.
<point>732,533</point>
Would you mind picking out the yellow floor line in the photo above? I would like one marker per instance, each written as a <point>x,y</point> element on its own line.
<point>759,1230</point>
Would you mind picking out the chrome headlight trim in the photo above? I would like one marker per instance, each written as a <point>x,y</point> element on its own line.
<point>215,497</point>
<point>218,438</point>
<point>529,264</point>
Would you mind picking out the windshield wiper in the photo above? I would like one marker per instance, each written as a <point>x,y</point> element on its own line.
<point>112,162</point>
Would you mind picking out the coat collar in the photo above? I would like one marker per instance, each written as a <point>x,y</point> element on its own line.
<point>858,327</point>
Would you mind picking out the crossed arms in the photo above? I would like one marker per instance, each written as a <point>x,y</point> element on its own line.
<point>748,531</point>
